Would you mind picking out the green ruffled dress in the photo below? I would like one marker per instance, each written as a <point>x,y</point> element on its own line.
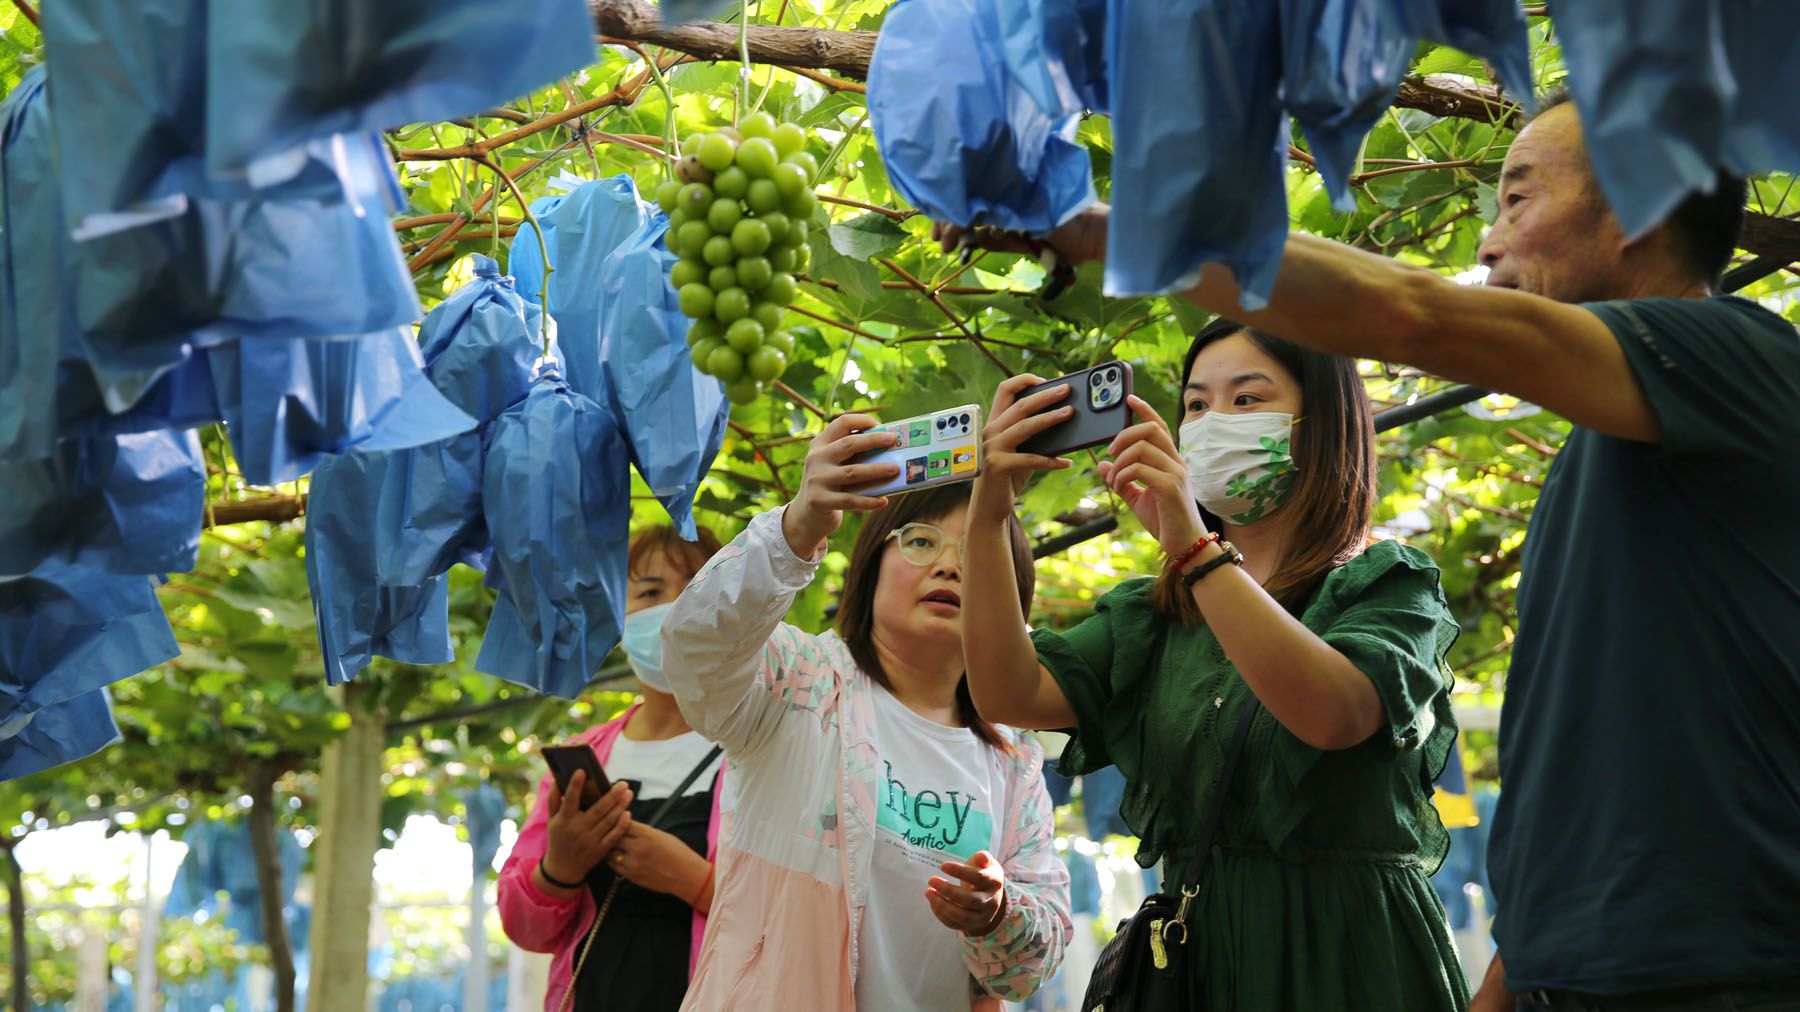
<point>1318,898</point>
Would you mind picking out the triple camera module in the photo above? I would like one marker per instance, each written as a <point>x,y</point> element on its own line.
<point>1105,387</point>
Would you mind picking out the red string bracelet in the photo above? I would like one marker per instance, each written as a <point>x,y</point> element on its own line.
<point>1186,557</point>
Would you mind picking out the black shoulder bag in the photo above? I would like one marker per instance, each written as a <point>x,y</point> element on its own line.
<point>1139,969</point>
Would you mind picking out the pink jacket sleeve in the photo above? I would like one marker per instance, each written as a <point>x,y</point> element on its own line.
<point>535,921</point>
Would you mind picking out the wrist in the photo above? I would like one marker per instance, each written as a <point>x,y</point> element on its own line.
<point>803,533</point>
<point>554,876</point>
<point>999,916</point>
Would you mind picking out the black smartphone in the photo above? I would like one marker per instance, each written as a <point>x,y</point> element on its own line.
<point>1098,395</point>
<point>564,760</point>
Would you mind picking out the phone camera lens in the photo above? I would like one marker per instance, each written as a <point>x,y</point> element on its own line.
<point>965,421</point>
<point>1096,379</point>
<point>940,423</point>
<point>1112,375</point>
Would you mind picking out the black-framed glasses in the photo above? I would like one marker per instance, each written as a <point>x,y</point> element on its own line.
<point>922,543</point>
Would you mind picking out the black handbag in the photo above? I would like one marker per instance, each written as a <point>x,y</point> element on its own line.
<point>1139,969</point>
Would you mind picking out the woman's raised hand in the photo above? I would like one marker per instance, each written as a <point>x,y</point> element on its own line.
<point>828,484</point>
<point>1147,472</point>
<point>1012,420</point>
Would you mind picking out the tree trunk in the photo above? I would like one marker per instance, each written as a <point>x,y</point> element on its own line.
<point>269,880</point>
<point>15,911</point>
<point>344,857</point>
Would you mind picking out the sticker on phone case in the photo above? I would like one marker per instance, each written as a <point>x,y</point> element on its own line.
<point>919,432</point>
<point>899,431</point>
<point>963,462</point>
<point>938,464</point>
<point>915,470</point>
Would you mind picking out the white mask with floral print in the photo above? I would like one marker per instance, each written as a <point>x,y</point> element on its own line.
<point>1238,465</point>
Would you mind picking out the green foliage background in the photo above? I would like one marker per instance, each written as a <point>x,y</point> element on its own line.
<point>249,684</point>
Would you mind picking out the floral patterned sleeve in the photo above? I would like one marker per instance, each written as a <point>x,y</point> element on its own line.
<point>1018,957</point>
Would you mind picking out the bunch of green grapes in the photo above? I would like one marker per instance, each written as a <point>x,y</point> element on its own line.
<point>740,209</point>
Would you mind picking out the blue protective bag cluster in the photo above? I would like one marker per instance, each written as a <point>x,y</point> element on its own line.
<point>67,631</point>
<point>1670,93</point>
<point>385,527</point>
<point>958,105</point>
<point>558,498</point>
<point>974,107</point>
<point>221,859</point>
<point>622,333</point>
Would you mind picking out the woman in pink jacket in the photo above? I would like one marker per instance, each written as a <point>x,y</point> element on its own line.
<point>567,859</point>
<point>886,848</point>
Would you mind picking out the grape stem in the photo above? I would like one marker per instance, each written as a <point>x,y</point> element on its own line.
<point>543,249</point>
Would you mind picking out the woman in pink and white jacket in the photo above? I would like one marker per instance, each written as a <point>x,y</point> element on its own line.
<point>883,847</point>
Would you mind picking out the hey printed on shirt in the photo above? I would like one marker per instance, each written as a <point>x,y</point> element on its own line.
<point>932,821</point>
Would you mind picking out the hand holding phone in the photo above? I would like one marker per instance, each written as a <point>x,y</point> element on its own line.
<point>1097,395</point>
<point>564,760</point>
<point>929,450</point>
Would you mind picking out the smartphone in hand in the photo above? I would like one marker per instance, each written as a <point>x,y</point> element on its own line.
<point>934,449</point>
<point>564,760</point>
<point>1098,396</point>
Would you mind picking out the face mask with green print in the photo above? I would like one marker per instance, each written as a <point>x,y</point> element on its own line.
<point>1239,466</point>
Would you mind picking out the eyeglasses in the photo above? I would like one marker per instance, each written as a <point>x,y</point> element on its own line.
<point>922,543</point>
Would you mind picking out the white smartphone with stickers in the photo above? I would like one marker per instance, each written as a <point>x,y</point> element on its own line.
<point>934,449</point>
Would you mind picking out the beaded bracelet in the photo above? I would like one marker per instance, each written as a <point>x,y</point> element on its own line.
<point>1184,558</point>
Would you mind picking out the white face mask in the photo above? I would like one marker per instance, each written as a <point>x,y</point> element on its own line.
<point>642,640</point>
<point>1239,467</point>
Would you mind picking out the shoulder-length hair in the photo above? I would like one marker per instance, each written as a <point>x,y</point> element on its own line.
<point>1333,447</point>
<point>856,608</point>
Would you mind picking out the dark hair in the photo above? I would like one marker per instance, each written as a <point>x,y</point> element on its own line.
<point>1334,471</point>
<point>1706,224</point>
<point>685,556</point>
<point>856,609</point>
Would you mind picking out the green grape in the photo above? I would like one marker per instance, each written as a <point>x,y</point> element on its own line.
<point>782,341</point>
<point>757,124</point>
<point>746,335</point>
<point>750,237</point>
<point>767,363</point>
<point>731,305</point>
<point>731,184</point>
<point>677,218</point>
<point>721,277</point>
<point>784,258</point>
<point>696,301</point>
<point>769,315</point>
<point>763,197</point>
<point>704,329</point>
<point>802,257</point>
<point>690,145</point>
<point>722,215</point>
<point>744,391</point>
<point>753,273</point>
<point>801,206</point>
<point>789,179</point>
<point>807,164</point>
<point>716,152</point>
<point>781,290</point>
<point>696,198</point>
<point>685,273</point>
<point>789,139</point>
<point>667,192</point>
<point>757,157</point>
<point>718,251</point>
<point>779,225</point>
<point>690,242</point>
<point>725,363</point>
<point>701,353</point>
<point>797,234</point>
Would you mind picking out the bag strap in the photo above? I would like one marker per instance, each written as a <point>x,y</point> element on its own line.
<point>613,889</point>
<point>686,782</point>
<point>1232,753</point>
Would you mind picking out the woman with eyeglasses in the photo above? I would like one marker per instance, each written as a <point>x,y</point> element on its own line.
<point>1314,893</point>
<point>883,846</point>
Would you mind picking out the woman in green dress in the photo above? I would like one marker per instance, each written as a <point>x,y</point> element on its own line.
<point>1317,897</point>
